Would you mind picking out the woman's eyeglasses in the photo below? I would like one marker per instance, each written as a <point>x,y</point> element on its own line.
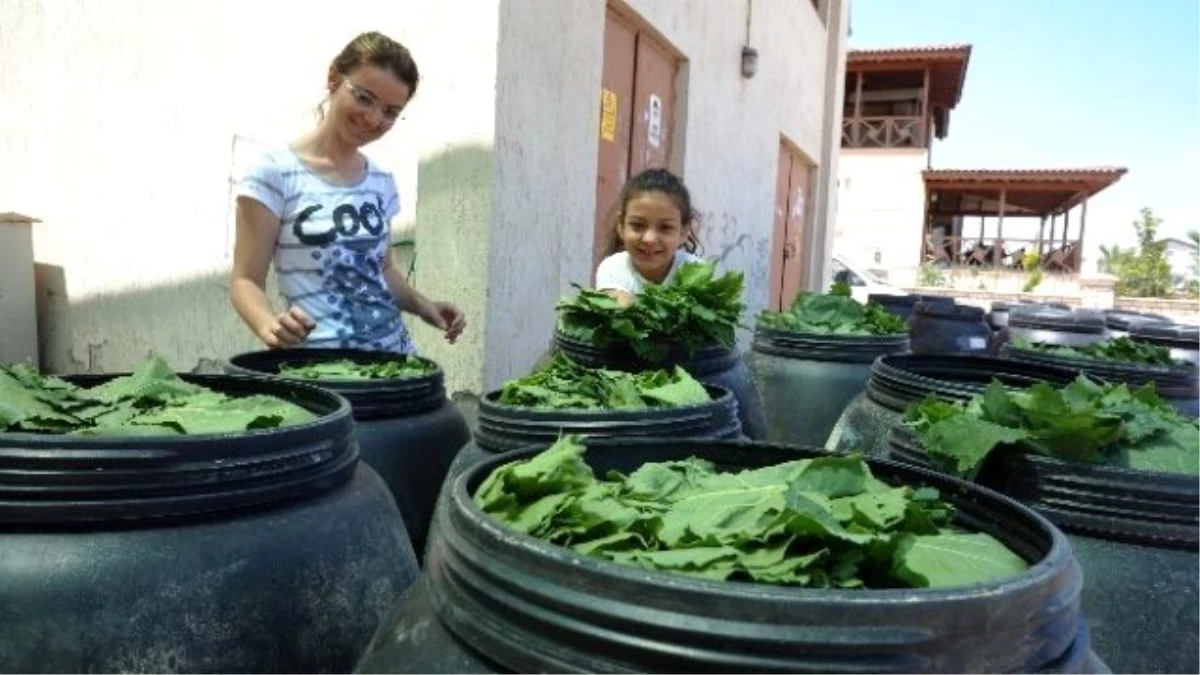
<point>366,99</point>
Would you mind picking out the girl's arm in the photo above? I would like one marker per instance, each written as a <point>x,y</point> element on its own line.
<point>257,230</point>
<point>441,315</point>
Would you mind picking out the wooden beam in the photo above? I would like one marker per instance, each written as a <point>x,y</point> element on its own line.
<point>1053,224</point>
<point>1082,220</point>
<point>1066,226</point>
<point>925,225</point>
<point>857,110</point>
<point>999,230</point>
<point>925,129</point>
<point>1041,235</point>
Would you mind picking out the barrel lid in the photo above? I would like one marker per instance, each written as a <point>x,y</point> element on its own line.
<point>952,312</point>
<point>1124,319</point>
<point>1000,306</point>
<point>908,300</point>
<point>1176,334</point>
<point>1046,318</point>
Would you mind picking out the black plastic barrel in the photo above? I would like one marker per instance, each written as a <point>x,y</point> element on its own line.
<point>898,381</point>
<point>1136,535</point>
<point>502,428</point>
<point>1183,340</point>
<point>902,305</point>
<point>1179,385</point>
<point>495,600</point>
<point>938,328</point>
<point>1119,321</point>
<point>407,430</point>
<point>1052,326</point>
<point>805,380</point>
<point>265,551</point>
<point>712,364</point>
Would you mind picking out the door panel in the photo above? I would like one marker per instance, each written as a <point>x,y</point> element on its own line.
<point>654,106</point>
<point>779,237</point>
<point>799,191</point>
<point>616,121</point>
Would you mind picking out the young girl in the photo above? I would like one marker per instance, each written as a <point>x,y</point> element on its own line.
<point>322,212</point>
<point>654,235</point>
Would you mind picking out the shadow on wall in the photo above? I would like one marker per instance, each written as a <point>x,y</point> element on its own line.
<point>450,255</point>
<point>193,326</point>
<point>189,323</point>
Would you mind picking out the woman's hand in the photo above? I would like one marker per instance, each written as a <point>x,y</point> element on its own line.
<point>444,316</point>
<point>288,329</point>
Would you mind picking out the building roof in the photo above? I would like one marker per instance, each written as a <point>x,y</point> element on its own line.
<point>1027,192</point>
<point>898,67</point>
<point>1176,240</point>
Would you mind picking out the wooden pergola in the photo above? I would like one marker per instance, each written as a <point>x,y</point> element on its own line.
<point>926,81</point>
<point>1049,194</point>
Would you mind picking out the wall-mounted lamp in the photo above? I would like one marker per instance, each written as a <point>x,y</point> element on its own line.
<point>749,62</point>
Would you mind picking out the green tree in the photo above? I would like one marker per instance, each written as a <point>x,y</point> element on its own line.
<point>1146,274</point>
<point>1112,258</point>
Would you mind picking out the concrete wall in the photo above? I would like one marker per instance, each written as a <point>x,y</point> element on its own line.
<point>881,198</point>
<point>128,158</point>
<point>124,121</point>
<point>18,308</point>
<point>732,125</point>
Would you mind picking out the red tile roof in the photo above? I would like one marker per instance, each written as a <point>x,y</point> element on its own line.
<point>914,53</point>
<point>1084,174</point>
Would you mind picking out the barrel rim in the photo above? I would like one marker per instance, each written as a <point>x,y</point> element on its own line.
<point>1104,366</point>
<point>174,476</point>
<point>1054,572</point>
<point>1054,484</point>
<point>369,399</point>
<point>475,474</point>
<point>896,380</point>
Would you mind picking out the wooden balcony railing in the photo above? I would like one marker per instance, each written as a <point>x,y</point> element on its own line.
<point>990,252</point>
<point>883,132</point>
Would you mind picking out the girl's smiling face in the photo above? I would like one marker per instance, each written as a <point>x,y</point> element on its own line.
<point>652,229</point>
<point>366,103</point>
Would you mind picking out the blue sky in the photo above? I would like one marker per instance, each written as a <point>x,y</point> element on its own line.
<point>1065,83</point>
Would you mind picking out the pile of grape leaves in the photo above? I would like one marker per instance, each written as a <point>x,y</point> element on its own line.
<point>819,523</point>
<point>564,384</point>
<point>695,308</point>
<point>152,401</point>
<point>834,313</point>
<point>1120,349</point>
<point>403,366</point>
<point>1082,422</point>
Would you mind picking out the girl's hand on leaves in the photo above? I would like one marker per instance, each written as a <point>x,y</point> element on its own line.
<point>289,329</point>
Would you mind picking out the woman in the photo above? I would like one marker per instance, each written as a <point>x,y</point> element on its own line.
<point>322,212</point>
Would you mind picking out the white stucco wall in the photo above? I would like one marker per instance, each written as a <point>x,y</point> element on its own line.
<point>18,311</point>
<point>122,123</point>
<point>881,199</point>
<point>732,125</point>
<point>127,157</point>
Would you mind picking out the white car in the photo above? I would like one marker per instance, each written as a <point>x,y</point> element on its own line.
<point>861,282</point>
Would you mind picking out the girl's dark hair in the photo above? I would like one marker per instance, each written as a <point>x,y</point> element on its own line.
<point>656,180</point>
<point>379,50</point>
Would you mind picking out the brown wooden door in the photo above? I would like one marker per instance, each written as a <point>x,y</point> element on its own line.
<point>654,104</point>
<point>637,107</point>
<point>793,189</point>
<point>616,121</point>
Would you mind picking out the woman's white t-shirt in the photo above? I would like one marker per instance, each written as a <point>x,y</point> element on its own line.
<point>617,273</point>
